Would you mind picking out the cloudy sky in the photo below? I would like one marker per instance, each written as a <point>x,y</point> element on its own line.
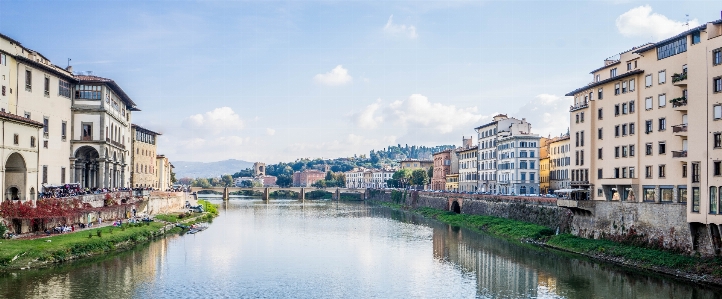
<point>276,81</point>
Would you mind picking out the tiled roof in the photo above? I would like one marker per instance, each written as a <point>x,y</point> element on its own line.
<point>45,67</point>
<point>114,86</point>
<point>20,119</point>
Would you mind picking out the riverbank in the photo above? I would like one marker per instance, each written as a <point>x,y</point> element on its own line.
<point>696,269</point>
<point>46,251</point>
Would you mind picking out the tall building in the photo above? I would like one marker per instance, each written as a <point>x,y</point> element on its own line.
<point>468,170</point>
<point>518,168</point>
<point>487,138</point>
<point>368,178</point>
<point>559,163</point>
<point>442,167</point>
<point>644,107</point>
<point>144,170</point>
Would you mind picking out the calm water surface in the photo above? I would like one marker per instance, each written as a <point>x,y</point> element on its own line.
<point>285,249</point>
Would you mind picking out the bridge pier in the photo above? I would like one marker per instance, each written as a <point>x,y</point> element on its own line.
<point>302,195</point>
<point>266,193</point>
<point>225,193</point>
<point>337,194</point>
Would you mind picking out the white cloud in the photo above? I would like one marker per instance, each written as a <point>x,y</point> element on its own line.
<point>418,111</point>
<point>400,29</point>
<point>337,76</point>
<point>548,114</point>
<point>641,22</point>
<point>270,132</point>
<point>215,121</point>
<point>368,119</point>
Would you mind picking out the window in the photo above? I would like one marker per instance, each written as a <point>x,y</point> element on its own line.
<point>616,89</point>
<point>695,199</point>
<point>582,116</point>
<point>616,152</point>
<point>662,124</point>
<point>46,124</point>
<point>695,172</point>
<point>16,139</point>
<point>32,141</point>
<point>3,90</point>
<point>648,193</point>
<point>662,77</point>
<point>665,193</point>
<point>597,78</point>
<point>631,172</point>
<point>624,86</point>
<point>662,171</point>
<point>616,131</point>
<point>616,172</point>
<point>717,57</point>
<point>616,110</point>
<point>624,130</point>
<point>717,168</point>
<point>684,170</point>
<point>88,92</point>
<point>648,80</point>
<point>27,115</point>
<point>662,100</point>
<point>45,174</point>
<point>45,144</point>
<point>631,84</point>
<point>581,157</point>
<point>599,173</point>
<point>672,48</point>
<point>613,72</point>
<point>577,117</point>
<point>63,129</point>
<point>717,140</point>
<point>717,110</point>
<point>631,106</point>
<point>648,172</point>
<point>662,147</point>
<point>713,200</point>
<point>696,37</point>
<point>631,150</point>
<point>599,133</point>
<point>629,66</point>
<point>717,84</point>
<point>64,89</point>
<point>46,86</point>
<point>62,175</point>
<point>599,94</point>
<point>625,151</point>
<point>28,80</point>
<point>682,194</point>
<point>599,153</point>
<point>648,103</point>
<point>624,172</point>
<point>625,109</point>
<point>648,149</point>
<point>648,126</point>
<point>581,138</point>
<point>87,131</point>
<point>600,115</point>
<point>631,128</point>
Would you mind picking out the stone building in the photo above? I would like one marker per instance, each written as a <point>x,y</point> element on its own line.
<point>488,139</point>
<point>163,169</point>
<point>144,165</point>
<point>442,167</point>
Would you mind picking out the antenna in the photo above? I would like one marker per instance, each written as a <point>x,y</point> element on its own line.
<point>687,23</point>
<point>69,61</point>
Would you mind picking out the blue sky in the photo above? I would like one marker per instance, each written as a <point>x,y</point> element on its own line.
<point>276,81</point>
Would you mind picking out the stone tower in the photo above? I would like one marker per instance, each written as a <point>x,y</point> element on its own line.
<point>259,169</point>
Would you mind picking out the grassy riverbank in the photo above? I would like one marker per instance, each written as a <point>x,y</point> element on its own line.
<point>699,269</point>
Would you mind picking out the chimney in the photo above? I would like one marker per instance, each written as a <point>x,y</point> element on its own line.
<point>69,69</point>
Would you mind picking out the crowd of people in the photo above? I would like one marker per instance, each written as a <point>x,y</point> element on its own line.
<point>74,189</point>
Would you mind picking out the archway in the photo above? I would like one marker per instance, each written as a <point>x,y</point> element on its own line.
<point>15,177</point>
<point>86,165</point>
<point>455,207</point>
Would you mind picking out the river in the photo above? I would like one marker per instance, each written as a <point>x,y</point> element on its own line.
<point>323,249</point>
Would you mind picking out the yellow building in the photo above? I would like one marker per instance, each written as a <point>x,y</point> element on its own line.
<point>544,175</point>
<point>414,164</point>
<point>452,182</point>
<point>144,173</point>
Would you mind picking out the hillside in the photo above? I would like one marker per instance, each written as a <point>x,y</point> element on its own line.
<point>208,169</point>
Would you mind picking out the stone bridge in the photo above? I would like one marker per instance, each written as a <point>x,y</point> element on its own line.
<point>267,191</point>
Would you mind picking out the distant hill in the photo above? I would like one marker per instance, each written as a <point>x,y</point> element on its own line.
<point>210,169</point>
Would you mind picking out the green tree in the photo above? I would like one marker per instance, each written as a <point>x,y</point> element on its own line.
<point>402,176</point>
<point>431,172</point>
<point>201,182</point>
<point>319,184</point>
<point>284,180</point>
<point>329,176</point>
<point>227,180</point>
<point>419,177</point>
<point>173,180</point>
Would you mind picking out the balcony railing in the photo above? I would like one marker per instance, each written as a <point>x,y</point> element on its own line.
<point>679,154</point>
<point>579,106</point>
<point>679,77</point>
<point>678,102</point>
<point>679,128</point>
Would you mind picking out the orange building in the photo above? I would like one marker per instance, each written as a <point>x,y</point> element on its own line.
<point>442,167</point>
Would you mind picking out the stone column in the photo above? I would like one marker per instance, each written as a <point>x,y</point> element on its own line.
<point>101,175</point>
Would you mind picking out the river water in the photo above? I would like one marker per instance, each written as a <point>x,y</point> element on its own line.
<point>286,249</point>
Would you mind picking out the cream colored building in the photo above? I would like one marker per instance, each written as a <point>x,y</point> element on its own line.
<point>144,171</point>
<point>518,168</point>
<point>488,139</point>
<point>559,163</point>
<point>163,169</point>
<point>632,127</point>
<point>468,170</point>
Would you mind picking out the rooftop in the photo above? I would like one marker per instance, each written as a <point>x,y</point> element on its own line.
<point>114,86</point>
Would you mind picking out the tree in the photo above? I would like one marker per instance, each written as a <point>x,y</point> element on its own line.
<point>201,182</point>
<point>319,184</point>
<point>402,176</point>
<point>243,173</point>
<point>172,177</point>
<point>227,180</point>
<point>431,172</point>
<point>419,177</point>
<point>329,176</point>
<point>284,180</point>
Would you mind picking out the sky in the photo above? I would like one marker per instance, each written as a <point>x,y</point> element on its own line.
<point>275,81</point>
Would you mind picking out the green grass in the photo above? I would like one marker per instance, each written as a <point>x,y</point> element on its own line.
<point>494,225</point>
<point>209,207</point>
<point>62,247</point>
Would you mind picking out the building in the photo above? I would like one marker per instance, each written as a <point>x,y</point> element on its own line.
<point>144,160</point>
<point>544,183</point>
<point>559,163</point>
<point>452,182</point>
<point>368,178</point>
<point>101,133</point>
<point>269,180</point>
<point>307,177</point>
<point>259,169</point>
<point>468,170</point>
<point>163,169</point>
<point>414,164</point>
<point>442,167</point>
<point>518,162</point>
<point>488,139</point>
<point>643,108</point>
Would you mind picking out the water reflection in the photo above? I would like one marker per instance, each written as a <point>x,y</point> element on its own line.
<point>317,249</point>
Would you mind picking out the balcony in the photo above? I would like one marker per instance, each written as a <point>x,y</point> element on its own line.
<point>679,104</point>
<point>680,130</point>
<point>579,106</point>
<point>679,79</point>
<point>679,154</point>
